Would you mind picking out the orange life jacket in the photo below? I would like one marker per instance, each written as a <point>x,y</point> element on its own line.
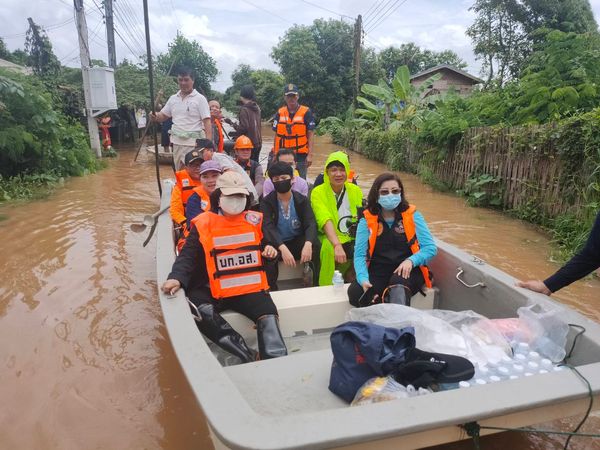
<point>186,184</point>
<point>408,222</point>
<point>232,252</point>
<point>219,126</point>
<point>291,132</point>
<point>204,198</point>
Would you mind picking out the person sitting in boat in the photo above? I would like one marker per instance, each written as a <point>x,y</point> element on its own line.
<point>243,150</point>
<point>207,151</point>
<point>186,180</point>
<point>221,267</point>
<point>334,203</point>
<point>299,184</point>
<point>289,223</point>
<point>352,176</point>
<point>199,201</point>
<point>393,246</point>
<point>583,263</point>
<point>216,118</point>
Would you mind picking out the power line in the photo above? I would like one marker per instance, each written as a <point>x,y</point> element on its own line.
<point>267,11</point>
<point>133,52</point>
<point>377,11</point>
<point>386,16</point>
<point>371,8</point>
<point>127,26</point>
<point>325,9</point>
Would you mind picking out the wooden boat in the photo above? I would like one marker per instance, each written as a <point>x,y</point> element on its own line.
<point>284,403</point>
<point>163,157</point>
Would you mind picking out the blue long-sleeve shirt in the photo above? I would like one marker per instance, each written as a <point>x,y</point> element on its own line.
<point>427,247</point>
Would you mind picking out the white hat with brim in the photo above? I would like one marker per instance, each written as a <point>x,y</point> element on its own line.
<point>232,183</point>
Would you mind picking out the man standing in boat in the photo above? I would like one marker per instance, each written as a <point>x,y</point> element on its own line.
<point>294,126</point>
<point>217,130</point>
<point>249,120</point>
<point>191,117</point>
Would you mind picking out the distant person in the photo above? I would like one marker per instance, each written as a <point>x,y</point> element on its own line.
<point>333,203</point>
<point>216,118</point>
<point>165,135</point>
<point>393,246</point>
<point>199,201</point>
<point>191,116</point>
<point>294,127</point>
<point>289,222</point>
<point>580,265</point>
<point>140,118</point>
<point>243,149</point>
<point>249,120</point>
<point>299,184</point>
<point>221,268</point>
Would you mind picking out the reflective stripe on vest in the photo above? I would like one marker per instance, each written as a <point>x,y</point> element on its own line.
<point>232,253</point>
<point>186,184</point>
<point>408,221</point>
<point>291,132</point>
<point>219,126</point>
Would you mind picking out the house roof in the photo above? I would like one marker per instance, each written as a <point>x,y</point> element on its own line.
<point>4,64</point>
<point>432,70</point>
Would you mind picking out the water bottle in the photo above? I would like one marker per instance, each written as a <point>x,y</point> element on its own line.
<point>464,384</point>
<point>338,280</point>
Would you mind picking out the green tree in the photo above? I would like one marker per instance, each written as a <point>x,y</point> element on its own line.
<point>190,54</point>
<point>416,59</point>
<point>269,90</point>
<point>318,58</point>
<point>133,86</point>
<point>39,49</point>
<point>4,51</point>
<point>241,76</point>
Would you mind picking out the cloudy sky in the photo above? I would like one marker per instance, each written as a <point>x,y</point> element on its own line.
<point>241,31</point>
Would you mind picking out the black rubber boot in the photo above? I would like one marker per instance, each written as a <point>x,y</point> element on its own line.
<point>218,330</point>
<point>399,295</point>
<point>270,341</point>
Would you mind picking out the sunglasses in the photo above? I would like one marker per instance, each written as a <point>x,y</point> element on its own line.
<point>385,192</point>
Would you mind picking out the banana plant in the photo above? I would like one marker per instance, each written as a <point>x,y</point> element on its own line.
<point>397,104</point>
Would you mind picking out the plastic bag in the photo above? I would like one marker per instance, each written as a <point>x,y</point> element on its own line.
<point>544,330</point>
<point>382,389</point>
<point>462,333</point>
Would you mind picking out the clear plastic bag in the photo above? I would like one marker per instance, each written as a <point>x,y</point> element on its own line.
<point>382,389</point>
<point>544,330</point>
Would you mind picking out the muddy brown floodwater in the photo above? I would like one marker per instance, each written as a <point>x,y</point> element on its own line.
<point>86,361</point>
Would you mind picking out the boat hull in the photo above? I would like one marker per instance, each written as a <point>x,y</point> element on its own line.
<point>163,157</point>
<point>284,403</point>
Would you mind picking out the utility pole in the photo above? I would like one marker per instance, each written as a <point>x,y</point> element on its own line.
<point>84,56</point>
<point>110,34</point>
<point>357,52</point>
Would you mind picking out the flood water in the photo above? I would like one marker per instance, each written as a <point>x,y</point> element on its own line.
<point>86,362</point>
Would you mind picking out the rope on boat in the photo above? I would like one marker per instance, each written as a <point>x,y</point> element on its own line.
<point>473,428</point>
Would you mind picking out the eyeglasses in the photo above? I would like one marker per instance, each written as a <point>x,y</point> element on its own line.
<point>385,192</point>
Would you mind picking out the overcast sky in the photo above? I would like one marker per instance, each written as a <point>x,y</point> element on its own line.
<point>241,31</point>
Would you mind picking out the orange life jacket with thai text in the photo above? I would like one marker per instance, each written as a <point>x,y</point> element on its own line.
<point>232,253</point>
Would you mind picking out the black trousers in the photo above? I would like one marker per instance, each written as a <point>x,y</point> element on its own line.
<point>381,277</point>
<point>295,246</point>
<point>252,306</point>
<point>255,155</point>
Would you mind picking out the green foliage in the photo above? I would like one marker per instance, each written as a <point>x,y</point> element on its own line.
<point>39,49</point>
<point>35,138</point>
<point>268,86</point>
<point>189,54</point>
<point>133,86</point>
<point>318,58</point>
<point>482,190</point>
<point>416,59</point>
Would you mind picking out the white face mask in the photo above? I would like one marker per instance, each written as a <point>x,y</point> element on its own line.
<point>232,205</point>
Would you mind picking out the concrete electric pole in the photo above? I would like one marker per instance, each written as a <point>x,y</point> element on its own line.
<point>357,52</point>
<point>110,34</point>
<point>84,56</point>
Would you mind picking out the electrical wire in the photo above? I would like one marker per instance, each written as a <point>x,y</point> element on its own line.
<point>326,9</point>
<point>370,10</point>
<point>267,11</point>
<point>383,19</point>
<point>376,13</point>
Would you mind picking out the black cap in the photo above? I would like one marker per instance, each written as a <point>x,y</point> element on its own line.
<point>290,89</point>
<point>204,143</point>
<point>192,156</point>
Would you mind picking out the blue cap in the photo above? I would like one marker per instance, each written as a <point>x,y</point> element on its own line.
<point>290,89</point>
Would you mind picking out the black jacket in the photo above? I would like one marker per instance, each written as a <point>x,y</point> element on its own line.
<point>270,210</point>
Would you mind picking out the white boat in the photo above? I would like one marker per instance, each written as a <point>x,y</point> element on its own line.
<point>163,157</point>
<point>285,403</point>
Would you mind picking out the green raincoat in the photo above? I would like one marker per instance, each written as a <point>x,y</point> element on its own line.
<point>324,206</point>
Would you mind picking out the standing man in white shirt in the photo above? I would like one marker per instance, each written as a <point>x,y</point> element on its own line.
<point>191,116</point>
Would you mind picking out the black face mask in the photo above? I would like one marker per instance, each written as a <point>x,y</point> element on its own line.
<point>282,186</point>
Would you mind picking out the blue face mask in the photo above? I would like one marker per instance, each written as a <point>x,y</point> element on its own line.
<point>390,201</point>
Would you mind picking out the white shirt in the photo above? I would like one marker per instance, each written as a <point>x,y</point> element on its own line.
<point>227,163</point>
<point>187,113</point>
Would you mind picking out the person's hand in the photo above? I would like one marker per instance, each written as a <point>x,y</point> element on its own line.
<point>306,254</point>
<point>286,256</point>
<point>269,252</point>
<point>153,117</point>
<point>535,286</point>
<point>404,268</point>
<point>339,253</point>
<point>170,287</point>
<point>366,285</point>
<point>308,159</point>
